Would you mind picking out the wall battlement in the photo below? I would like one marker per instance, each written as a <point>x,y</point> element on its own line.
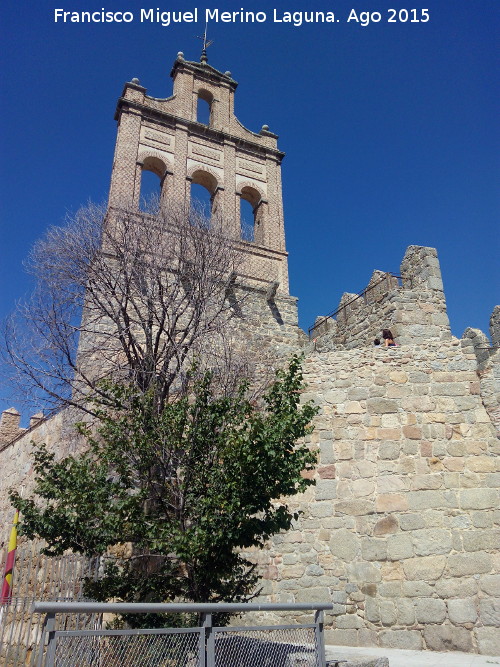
<point>412,307</point>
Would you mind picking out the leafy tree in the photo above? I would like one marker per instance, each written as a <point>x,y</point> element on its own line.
<point>178,492</point>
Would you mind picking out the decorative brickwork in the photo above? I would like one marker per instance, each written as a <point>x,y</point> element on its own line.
<point>165,137</point>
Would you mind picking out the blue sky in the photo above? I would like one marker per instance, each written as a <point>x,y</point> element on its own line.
<point>390,132</point>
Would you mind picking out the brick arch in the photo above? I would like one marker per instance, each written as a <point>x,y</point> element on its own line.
<point>205,94</point>
<point>157,157</point>
<point>253,185</point>
<point>213,177</point>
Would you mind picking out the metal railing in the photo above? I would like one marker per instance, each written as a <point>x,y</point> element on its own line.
<point>388,278</point>
<point>288,645</point>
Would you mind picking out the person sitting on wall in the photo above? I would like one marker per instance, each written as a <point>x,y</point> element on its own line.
<point>388,338</point>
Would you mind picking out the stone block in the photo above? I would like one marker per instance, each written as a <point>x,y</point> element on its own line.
<point>390,420</point>
<point>427,482</point>
<point>421,500</point>
<point>404,639</point>
<point>344,450</point>
<point>368,637</point>
<point>432,541</point>
<point>417,589</point>
<point>348,621</point>
<point>448,638</point>
<point>406,612</point>
<point>318,594</point>
<point>411,521</point>
<point>430,610</point>
<point>362,487</point>
<point>400,377</point>
<point>326,455</point>
<point>326,489</point>
<point>386,526</point>
<point>379,406</point>
<point>388,612</point>
<point>355,507</point>
<point>398,391</point>
<point>412,432</point>
<point>477,499</point>
<point>488,640</point>
<point>345,545</point>
<point>353,407</point>
<point>390,589</point>
<point>358,394</point>
<point>292,571</point>
<point>321,509</point>
<point>389,450</point>
<point>399,547</point>
<point>490,584</point>
<point>462,611</point>
<point>373,549</point>
<point>461,565</point>
<point>489,611</point>
<point>334,396</point>
<point>456,587</point>
<point>326,471</point>
<point>479,540</point>
<point>364,573</point>
<point>426,568</point>
<point>372,610</point>
<point>391,502</point>
<point>418,404</point>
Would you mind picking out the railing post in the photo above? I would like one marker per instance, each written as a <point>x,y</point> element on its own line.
<point>202,651</point>
<point>49,629</point>
<point>320,637</point>
<point>210,641</point>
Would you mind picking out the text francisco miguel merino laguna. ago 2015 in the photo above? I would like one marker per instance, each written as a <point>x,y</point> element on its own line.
<point>295,18</point>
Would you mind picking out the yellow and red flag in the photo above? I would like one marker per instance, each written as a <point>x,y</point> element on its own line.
<point>6,594</point>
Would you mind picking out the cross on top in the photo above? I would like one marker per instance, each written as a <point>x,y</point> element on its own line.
<point>206,44</point>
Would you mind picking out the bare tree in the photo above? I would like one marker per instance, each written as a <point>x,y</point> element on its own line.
<point>127,295</point>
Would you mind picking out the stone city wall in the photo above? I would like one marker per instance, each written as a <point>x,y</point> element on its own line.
<point>16,464</point>
<point>402,529</point>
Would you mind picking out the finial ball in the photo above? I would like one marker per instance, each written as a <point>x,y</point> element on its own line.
<point>265,127</point>
<point>135,80</point>
<point>180,55</point>
<point>228,73</point>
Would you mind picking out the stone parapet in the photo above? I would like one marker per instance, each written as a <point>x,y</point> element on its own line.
<point>10,426</point>
<point>412,307</point>
<point>495,326</point>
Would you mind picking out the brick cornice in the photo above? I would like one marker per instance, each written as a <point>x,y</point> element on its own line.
<point>125,104</point>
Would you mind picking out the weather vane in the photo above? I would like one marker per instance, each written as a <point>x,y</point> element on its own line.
<point>206,44</point>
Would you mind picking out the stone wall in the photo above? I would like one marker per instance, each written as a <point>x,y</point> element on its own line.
<point>415,310</point>
<point>495,326</point>
<point>488,364</point>
<point>16,464</point>
<point>266,323</point>
<point>402,529</point>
